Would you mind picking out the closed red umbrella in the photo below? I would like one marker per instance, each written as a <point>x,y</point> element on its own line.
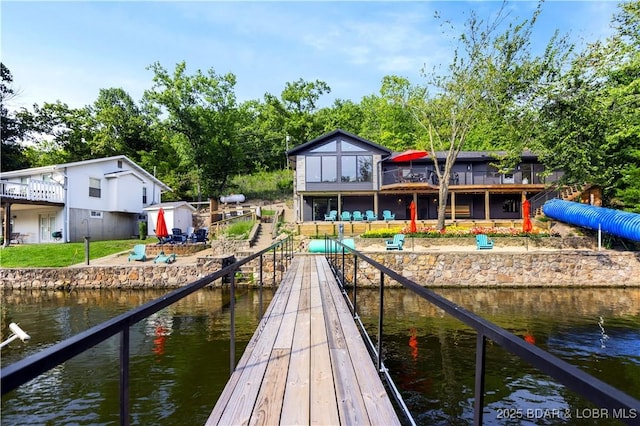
<point>412,207</point>
<point>527,226</point>
<point>161,226</point>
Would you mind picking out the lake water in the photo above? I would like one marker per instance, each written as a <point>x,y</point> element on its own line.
<point>180,357</point>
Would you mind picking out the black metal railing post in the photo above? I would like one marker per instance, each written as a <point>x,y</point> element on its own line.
<point>124,376</point>
<point>275,249</point>
<point>342,277</point>
<point>260,294</point>
<point>355,286</point>
<point>478,403</point>
<point>232,324</point>
<point>380,320</point>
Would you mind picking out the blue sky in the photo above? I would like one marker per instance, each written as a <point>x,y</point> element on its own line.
<point>67,51</point>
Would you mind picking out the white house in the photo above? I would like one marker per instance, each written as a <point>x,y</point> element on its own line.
<point>102,198</point>
<point>177,214</point>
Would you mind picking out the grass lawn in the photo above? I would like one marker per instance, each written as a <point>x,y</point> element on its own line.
<point>59,255</point>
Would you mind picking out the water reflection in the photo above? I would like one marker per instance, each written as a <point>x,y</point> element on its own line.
<point>180,357</point>
<point>432,355</point>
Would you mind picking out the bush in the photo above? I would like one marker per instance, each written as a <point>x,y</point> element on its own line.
<point>142,229</point>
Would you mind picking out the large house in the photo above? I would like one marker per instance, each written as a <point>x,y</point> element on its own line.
<point>343,172</point>
<point>102,198</point>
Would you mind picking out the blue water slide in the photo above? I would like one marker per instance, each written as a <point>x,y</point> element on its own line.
<point>614,222</point>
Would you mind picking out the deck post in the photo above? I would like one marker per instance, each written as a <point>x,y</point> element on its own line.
<point>260,287</point>
<point>275,249</point>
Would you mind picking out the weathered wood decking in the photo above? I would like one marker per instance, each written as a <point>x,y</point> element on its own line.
<point>306,362</point>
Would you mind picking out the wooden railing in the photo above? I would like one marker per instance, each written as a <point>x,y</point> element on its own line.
<point>34,190</point>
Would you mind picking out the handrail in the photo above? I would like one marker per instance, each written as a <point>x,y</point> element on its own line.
<point>34,365</point>
<point>595,390</point>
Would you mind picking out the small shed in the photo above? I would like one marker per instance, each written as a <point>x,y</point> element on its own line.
<point>177,214</point>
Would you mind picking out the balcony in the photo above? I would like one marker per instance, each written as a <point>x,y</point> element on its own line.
<point>34,191</point>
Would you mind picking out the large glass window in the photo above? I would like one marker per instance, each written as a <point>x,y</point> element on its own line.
<point>322,169</point>
<point>356,168</point>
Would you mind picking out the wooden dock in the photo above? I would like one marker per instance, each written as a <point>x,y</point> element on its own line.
<point>306,363</point>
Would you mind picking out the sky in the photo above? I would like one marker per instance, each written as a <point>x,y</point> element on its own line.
<point>68,51</point>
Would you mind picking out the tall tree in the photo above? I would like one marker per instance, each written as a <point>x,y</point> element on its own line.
<point>593,117</point>
<point>300,100</point>
<point>492,76</point>
<point>202,116</point>
<point>12,130</point>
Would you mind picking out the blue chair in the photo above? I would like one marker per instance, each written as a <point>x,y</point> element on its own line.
<point>370,215</point>
<point>396,243</point>
<point>200,236</point>
<point>332,216</point>
<point>357,216</point>
<point>138,253</point>
<point>161,257</point>
<point>483,242</point>
<point>387,215</point>
<point>346,216</point>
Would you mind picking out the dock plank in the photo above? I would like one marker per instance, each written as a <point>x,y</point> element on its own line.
<point>324,407</point>
<point>306,363</point>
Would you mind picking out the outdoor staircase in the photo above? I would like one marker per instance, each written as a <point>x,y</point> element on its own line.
<point>262,239</point>
<point>566,192</point>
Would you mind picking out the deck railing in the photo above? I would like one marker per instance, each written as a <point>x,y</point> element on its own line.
<point>591,388</point>
<point>31,367</point>
<point>34,190</point>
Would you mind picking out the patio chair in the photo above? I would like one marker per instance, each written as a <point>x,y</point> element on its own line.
<point>370,215</point>
<point>138,253</point>
<point>357,216</point>
<point>483,242</point>
<point>332,216</point>
<point>161,257</point>
<point>387,215</point>
<point>346,216</point>
<point>177,236</point>
<point>396,243</point>
<point>200,236</point>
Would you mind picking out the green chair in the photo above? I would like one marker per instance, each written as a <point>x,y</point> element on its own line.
<point>396,243</point>
<point>138,253</point>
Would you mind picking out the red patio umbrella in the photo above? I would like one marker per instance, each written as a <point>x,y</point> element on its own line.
<point>409,155</point>
<point>527,226</point>
<point>161,226</point>
<point>412,207</point>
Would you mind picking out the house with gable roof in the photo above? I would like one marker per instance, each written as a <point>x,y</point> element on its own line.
<point>102,198</point>
<point>342,172</point>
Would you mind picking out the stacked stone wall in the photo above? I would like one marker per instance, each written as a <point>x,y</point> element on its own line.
<point>441,269</point>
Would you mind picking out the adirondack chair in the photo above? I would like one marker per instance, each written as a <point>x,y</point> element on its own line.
<point>357,216</point>
<point>387,215</point>
<point>332,216</point>
<point>346,216</point>
<point>200,236</point>
<point>483,242</point>
<point>177,236</point>
<point>396,243</point>
<point>138,253</point>
<point>370,215</point>
<point>161,257</point>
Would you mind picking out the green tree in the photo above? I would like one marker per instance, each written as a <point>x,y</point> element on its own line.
<point>12,130</point>
<point>492,77</point>
<point>300,100</point>
<point>202,119</point>
<point>591,121</point>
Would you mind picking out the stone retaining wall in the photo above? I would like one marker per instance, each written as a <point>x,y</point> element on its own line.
<point>442,269</point>
<point>494,269</point>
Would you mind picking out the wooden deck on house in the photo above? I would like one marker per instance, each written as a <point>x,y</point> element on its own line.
<point>306,362</point>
